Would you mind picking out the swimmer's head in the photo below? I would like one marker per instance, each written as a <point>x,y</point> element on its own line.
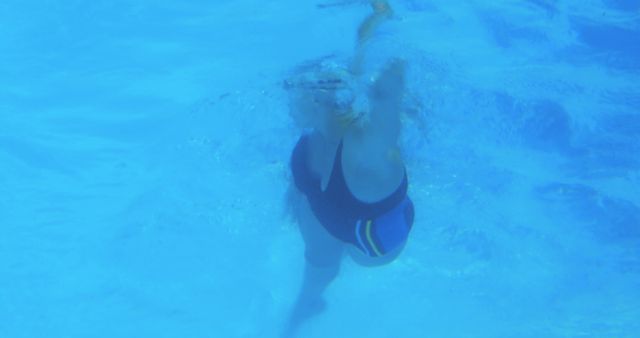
<point>327,96</point>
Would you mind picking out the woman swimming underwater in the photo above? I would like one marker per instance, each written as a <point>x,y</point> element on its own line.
<point>350,181</point>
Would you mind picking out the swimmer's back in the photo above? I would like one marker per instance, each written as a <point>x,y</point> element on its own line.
<point>372,168</point>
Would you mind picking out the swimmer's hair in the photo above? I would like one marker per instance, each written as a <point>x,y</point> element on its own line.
<point>327,87</point>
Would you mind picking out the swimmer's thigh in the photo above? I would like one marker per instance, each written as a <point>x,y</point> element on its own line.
<point>321,248</point>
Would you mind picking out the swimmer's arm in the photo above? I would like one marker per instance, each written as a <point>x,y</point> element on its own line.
<point>387,93</point>
<point>381,12</point>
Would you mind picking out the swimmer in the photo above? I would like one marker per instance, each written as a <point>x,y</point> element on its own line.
<point>350,183</point>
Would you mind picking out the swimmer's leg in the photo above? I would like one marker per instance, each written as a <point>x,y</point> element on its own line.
<point>310,301</point>
<point>323,254</point>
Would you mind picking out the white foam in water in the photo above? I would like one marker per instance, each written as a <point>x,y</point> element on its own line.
<point>144,167</point>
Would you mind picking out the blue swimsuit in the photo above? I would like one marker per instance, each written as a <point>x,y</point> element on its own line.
<point>375,228</point>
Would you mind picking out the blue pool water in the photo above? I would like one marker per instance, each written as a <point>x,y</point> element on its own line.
<point>144,165</point>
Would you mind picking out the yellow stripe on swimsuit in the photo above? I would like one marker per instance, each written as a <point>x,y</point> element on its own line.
<point>371,243</point>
